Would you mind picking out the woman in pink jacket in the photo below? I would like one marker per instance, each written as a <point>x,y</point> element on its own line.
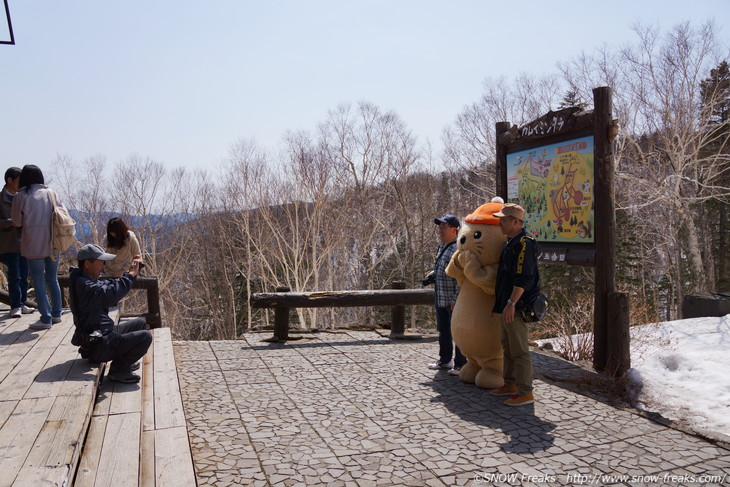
<point>32,208</point>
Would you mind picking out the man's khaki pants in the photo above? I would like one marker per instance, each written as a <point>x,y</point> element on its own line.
<point>517,358</point>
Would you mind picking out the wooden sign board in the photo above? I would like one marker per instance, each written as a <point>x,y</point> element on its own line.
<point>547,167</point>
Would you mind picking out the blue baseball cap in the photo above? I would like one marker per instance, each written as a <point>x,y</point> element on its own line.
<point>448,218</point>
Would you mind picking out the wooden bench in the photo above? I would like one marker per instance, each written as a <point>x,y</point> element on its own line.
<point>138,434</point>
<point>46,397</point>
<point>56,430</point>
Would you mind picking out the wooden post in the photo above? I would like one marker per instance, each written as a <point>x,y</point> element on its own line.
<point>501,154</point>
<point>605,221</point>
<point>398,314</point>
<point>619,352</point>
<point>281,319</point>
<point>154,316</point>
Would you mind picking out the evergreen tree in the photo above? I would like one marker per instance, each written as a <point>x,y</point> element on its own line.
<point>715,93</point>
<point>571,99</point>
<point>715,96</point>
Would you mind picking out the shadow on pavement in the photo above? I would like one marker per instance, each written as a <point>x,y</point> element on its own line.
<point>527,432</point>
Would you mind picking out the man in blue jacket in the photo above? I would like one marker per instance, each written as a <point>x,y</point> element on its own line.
<point>96,333</point>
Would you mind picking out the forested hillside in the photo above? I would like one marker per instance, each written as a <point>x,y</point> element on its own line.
<point>350,203</point>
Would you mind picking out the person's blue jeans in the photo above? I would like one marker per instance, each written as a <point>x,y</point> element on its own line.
<point>44,273</point>
<point>446,342</point>
<point>17,278</point>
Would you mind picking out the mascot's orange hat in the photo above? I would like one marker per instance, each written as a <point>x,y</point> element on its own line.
<point>484,214</point>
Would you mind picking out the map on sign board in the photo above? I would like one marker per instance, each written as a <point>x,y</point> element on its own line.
<point>554,183</point>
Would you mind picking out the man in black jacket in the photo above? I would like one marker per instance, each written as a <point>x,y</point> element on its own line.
<point>518,284</point>
<point>97,335</point>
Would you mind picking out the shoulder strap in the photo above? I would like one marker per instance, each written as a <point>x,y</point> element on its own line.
<point>444,249</point>
<point>527,236</point>
<point>52,196</point>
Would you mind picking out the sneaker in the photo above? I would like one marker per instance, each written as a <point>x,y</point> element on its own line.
<point>440,365</point>
<point>505,390</point>
<point>39,325</point>
<point>134,366</point>
<point>520,400</point>
<point>15,313</point>
<point>26,310</point>
<point>125,377</point>
<point>55,319</point>
<point>455,371</point>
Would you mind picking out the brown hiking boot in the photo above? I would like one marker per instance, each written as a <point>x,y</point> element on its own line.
<point>505,390</point>
<point>520,400</point>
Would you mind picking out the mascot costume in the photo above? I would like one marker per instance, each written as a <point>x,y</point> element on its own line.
<point>476,330</point>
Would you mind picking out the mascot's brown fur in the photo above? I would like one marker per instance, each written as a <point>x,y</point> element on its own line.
<point>476,330</point>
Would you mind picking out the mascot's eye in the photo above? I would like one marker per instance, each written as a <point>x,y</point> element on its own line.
<point>477,235</point>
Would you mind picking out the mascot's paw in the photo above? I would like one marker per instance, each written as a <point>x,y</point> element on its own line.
<point>469,371</point>
<point>487,379</point>
<point>464,257</point>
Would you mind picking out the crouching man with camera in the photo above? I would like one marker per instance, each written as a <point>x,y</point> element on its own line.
<point>99,339</point>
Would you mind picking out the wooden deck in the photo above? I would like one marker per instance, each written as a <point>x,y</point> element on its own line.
<point>62,424</point>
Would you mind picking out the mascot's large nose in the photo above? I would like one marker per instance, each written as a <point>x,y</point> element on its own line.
<point>462,240</point>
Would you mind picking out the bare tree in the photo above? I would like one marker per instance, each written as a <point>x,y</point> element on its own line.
<point>666,174</point>
<point>83,187</point>
<point>674,126</point>
<point>365,147</point>
<point>469,145</point>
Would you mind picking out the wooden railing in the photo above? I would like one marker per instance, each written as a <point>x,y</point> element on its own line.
<point>5,299</point>
<point>153,315</point>
<point>282,301</point>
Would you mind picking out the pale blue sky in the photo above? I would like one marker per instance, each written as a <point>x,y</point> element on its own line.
<point>180,81</point>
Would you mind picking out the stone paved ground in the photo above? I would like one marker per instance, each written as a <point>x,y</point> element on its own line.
<point>357,409</point>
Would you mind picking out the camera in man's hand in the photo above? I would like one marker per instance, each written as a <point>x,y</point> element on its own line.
<point>140,266</point>
<point>429,279</point>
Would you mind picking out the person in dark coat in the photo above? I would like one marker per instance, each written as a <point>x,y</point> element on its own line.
<point>518,284</point>
<point>100,340</point>
<point>10,247</point>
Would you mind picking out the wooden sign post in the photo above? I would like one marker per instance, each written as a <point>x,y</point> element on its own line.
<point>560,169</point>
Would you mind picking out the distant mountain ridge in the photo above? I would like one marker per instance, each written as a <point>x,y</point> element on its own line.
<point>134,222</point>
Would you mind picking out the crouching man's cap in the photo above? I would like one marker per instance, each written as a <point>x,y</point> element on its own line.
<point>511,209</point>
<point>91,251</point>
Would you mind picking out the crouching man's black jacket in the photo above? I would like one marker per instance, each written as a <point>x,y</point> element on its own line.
<point>91,299</point>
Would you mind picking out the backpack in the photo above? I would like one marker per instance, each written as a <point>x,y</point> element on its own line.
<point>63,228</point>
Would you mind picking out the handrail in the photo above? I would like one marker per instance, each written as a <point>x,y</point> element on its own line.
<point>154,317</point>
<point>5,299</point>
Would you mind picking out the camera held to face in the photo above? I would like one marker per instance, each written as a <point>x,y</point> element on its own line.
<point>429,279</point>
